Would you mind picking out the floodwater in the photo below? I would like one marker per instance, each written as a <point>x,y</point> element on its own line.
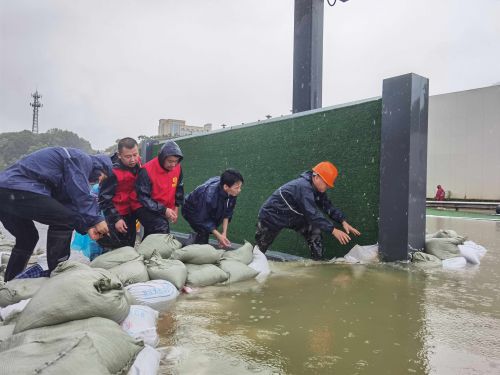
<point>312,318</point>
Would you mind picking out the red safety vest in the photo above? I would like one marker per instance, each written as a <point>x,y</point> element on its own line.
<point>125,198</point>
<point>163,183</point>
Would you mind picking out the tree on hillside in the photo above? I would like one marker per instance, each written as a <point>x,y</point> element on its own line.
<point>15,145</point>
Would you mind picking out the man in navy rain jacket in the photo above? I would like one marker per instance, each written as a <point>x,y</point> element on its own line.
<point>51,186</point>
<point>299,205</point>
<point>211,205</point>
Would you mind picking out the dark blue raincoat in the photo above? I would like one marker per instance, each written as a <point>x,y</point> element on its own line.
<point>298,203</point>
<point>207,206</point>
<point>64,174</point>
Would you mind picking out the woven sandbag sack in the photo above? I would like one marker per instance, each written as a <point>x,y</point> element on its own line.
<point>204,275</point>
<point>422,259</point>
<point>19,289</point>
<point>147,362</point>
<point>167,269</point>
<point>237,271</point>
<point>157,294</point>
<point>243,254</point>
<point>165,244</point>
<point>141,324</point>
<point>444,248</point>
<point>445,233</point>
<point>74,295</point>
<point>116,348</point>
<point>6,332</point>
<point>131,272</point>
<point>59,356</point>
<point>115,257</point>
<point>198,254</point>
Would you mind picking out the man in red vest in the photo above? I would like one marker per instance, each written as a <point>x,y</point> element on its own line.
<point>117,196</point>
<point>160,190</point>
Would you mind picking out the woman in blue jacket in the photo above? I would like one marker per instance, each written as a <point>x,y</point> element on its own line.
<point>211,205</point>
<point>51,186</point>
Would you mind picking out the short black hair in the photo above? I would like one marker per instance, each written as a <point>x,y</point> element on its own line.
<point>229,177</point>
<point>126,143</point>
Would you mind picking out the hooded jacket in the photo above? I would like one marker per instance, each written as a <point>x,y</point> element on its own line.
<point>207,206</point>
<point>158,189</point>
<point>64,174</point>
<point>117,193</point>
<point>298,203</point>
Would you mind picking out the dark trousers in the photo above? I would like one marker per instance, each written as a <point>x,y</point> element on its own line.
<point>18,210</point>
<point>117,239</point>
<point>152,222</point>
<point>265,236</point>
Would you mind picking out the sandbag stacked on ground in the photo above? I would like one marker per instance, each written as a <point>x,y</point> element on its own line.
<point>444,247</point>
<point>164,244</point>
<point>422,259</point>
<point>66,346</point>
<point>243,254</point>
<point>166,269</point>
<point>6,331</point>
<point>472,252</point>
<point>157,294</point>
<point>115,257</point>
<point>204,275</point>
<point>260,264</point>
<point>237,271</point>
<point>19,289</point>
<point>146,363</point>
<point>73,295</point>
<point>141,324</point>
<point>131,272</point>
<point>198,254</point>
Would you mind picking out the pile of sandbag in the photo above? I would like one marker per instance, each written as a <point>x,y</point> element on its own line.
<point>448,249</point>
<point>359,254</point>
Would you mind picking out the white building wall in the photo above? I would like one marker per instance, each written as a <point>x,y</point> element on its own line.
<point>464,144</point>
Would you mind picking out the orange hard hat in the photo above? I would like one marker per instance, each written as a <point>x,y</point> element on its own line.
<point>327,171</point>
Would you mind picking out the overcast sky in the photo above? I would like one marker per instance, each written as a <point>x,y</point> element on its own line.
<point>112,68</point>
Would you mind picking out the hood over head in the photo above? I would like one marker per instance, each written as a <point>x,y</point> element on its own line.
<point>100,163</point>
<point>170,148</point>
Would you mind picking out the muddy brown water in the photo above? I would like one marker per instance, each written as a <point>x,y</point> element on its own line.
<point>310,318</point>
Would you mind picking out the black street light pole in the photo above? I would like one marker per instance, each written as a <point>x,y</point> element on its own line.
<point>308,54</point>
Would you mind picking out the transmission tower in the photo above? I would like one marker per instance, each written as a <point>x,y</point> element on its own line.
<point>36,104</point>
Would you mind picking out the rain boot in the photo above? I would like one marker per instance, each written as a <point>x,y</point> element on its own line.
<point>17,263</point>
<point>315,243</point>
<point>58,246</point>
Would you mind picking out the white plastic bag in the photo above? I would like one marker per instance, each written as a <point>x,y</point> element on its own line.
<point>158,294</point>
<point>147,362</point>
<point>454,263</point>
<point>260,264</point>
<point>8,311</point>
<point>472,252</point>
<point>141,324</point>
<point>362,254</point>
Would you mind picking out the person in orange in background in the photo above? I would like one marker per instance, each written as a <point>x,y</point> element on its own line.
<point>117,196</point>
<point>299,205</point>
<point>440,194</point>
<point>160,190</point>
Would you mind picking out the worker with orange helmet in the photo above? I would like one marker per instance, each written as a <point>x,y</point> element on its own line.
<point>300,205</point>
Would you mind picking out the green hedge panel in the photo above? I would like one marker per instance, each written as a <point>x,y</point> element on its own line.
<point>274,152</point>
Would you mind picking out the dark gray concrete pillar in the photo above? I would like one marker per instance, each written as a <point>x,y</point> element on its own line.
<point>403,166</point>
<point>307,55</point>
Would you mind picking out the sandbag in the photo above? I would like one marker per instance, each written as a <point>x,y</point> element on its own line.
<point>472,252</point>
<point>115,348</point>
<point>204,275</point>
<point>165,244</point>
<point>363,254</point>
<point>243,254</point>
<point>237,271</point>
<point>454,263</point>
<point>19,289</point>
<point>131,272</point>
<point>147,362</point>
<point>6,313</point>
<point>157,294</point>
<point>198,254</point>
<point>444,233</point>
<point>260,264</point>
<point>75,295</point>
<point>5,332</point>
<point>422,259</point>
<point>141,324</point>
<point>115,257</point>
<point>444,248</point>
<point>167,269</point>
